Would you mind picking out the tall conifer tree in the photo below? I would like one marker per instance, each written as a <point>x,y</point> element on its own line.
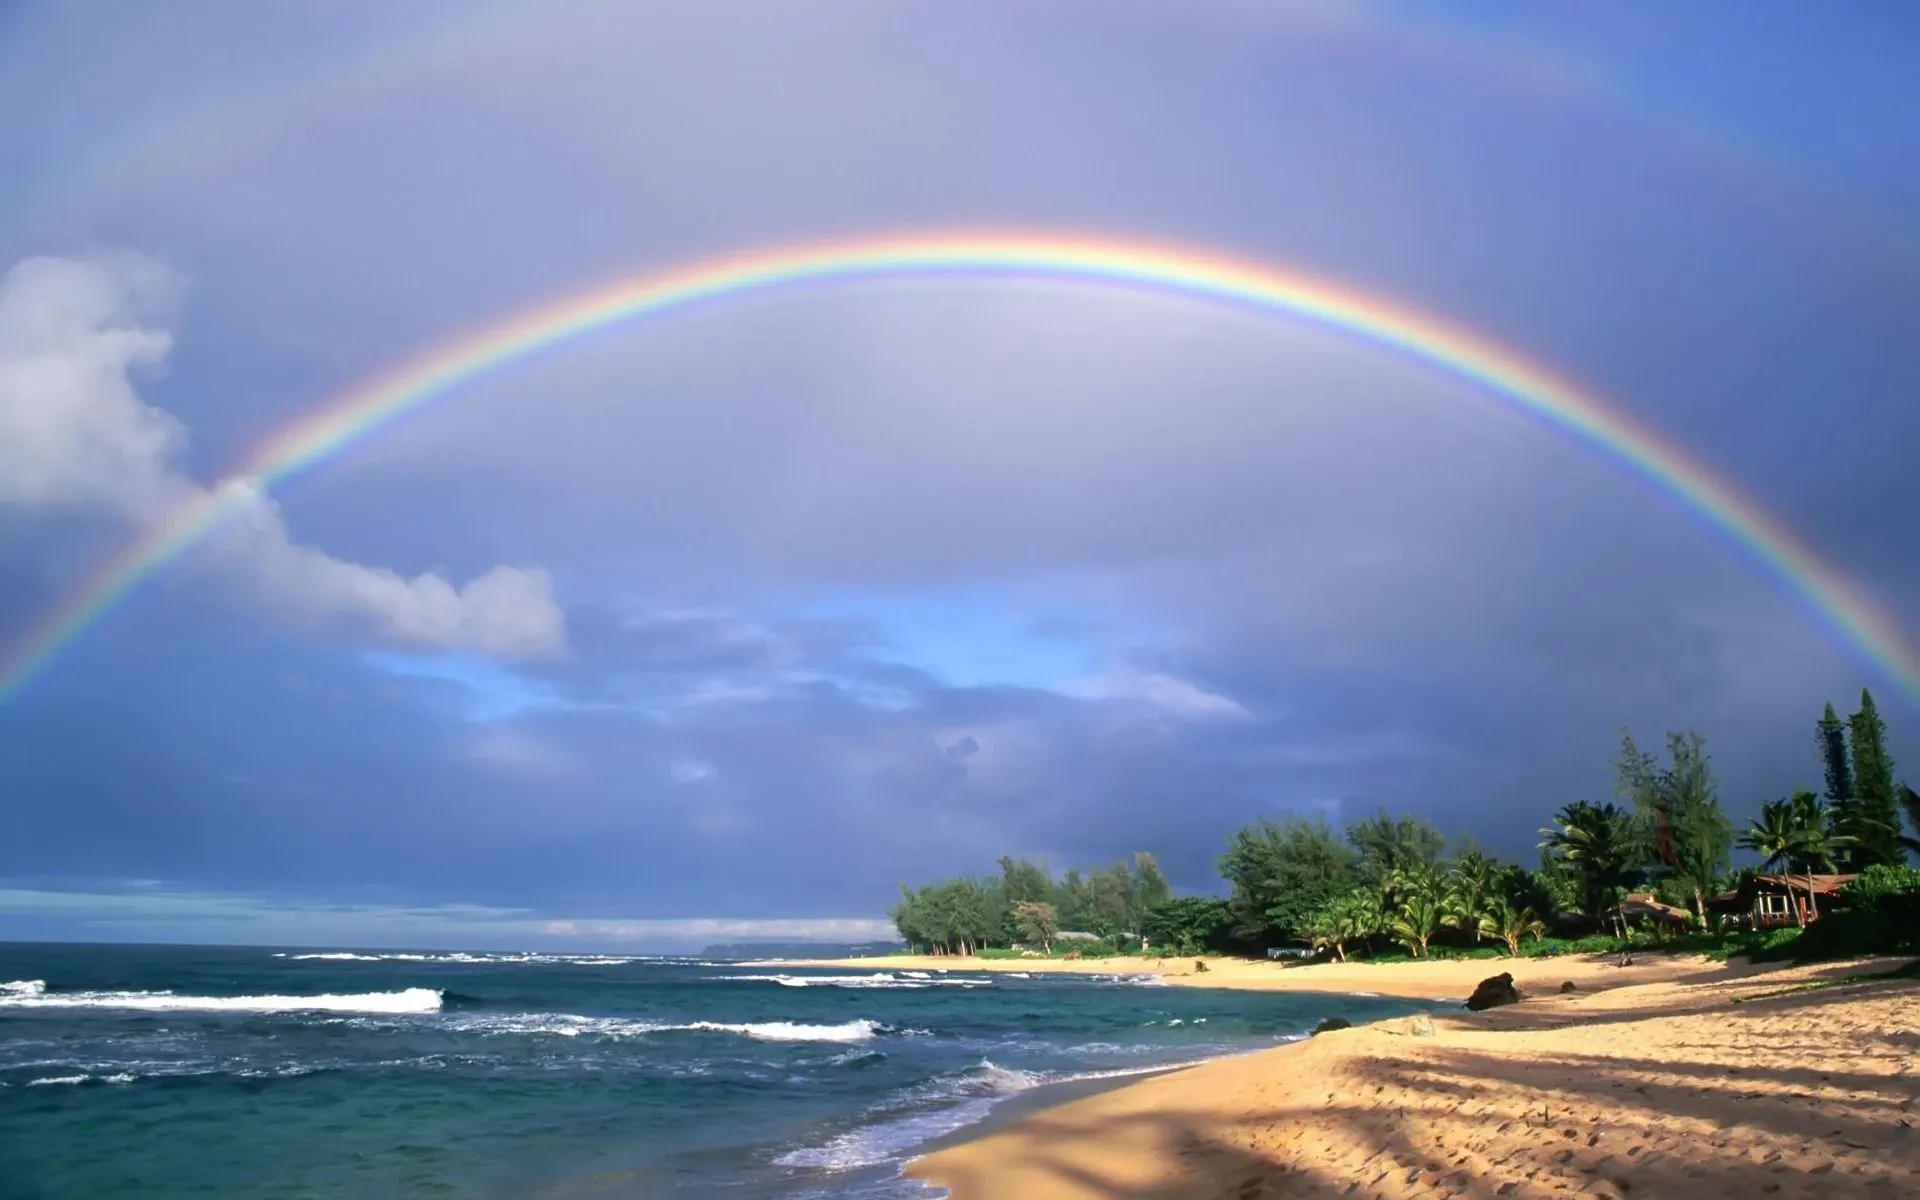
<point>1873,820</point>
<point>1830,743</point>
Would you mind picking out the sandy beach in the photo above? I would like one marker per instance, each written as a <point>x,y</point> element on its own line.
<point>1451,979</point>
<point>1685,1079</point>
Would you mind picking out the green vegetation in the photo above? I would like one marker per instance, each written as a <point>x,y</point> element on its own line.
<point>1794,835</point>
<point>1386,887</point>
<point>1025,905</point>
<point>1871,825</point>
<point>1678,823</point>
<point>1908,971</point>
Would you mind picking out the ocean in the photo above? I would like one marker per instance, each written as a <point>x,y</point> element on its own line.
<point>159,1071</point>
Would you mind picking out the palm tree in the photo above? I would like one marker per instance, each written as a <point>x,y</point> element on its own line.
<point>1365,913</point>
<point>1323,931</point>
<point>1794,833</point>
<point>1595,841</point>
<point>1353,917</point>
<point>1420,909</point>
<point>1470,885</point>
<point>1816,843</point>
<point>1776,835</point>
<point>1503,921</point>
<point>1331,927</point>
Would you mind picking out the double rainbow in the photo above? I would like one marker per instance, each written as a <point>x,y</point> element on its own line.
<point>1168,269</point>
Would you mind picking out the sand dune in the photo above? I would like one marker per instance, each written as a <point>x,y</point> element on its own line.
<point>1709,1088</point>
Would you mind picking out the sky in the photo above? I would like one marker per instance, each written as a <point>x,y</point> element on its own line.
<point>724,624</point>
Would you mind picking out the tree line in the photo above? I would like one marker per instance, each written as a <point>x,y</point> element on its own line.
<point>1025,904</point>
<point>1387,880</point>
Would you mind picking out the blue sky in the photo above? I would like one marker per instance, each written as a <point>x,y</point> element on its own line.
<point>735,621</point>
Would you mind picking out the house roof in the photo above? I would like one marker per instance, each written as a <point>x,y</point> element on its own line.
<point>1643,904</point>
<point>1822,885</point>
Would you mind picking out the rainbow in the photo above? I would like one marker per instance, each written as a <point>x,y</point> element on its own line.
<point>1167,269</point>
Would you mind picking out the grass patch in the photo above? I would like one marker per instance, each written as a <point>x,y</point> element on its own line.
<point>1909,971</point>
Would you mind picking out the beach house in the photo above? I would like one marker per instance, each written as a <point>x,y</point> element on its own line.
<point>1642,906</point>
<point>1773,901</point>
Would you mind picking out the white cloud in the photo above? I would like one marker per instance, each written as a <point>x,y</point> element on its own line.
<point>74,433</point>
<point>687,770</point>
<point>1177,696</point>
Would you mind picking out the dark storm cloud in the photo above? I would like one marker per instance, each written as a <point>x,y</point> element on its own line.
<point>1248,568</point>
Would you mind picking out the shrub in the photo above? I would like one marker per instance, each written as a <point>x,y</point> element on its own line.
<point>1887,886</point>
<point>1878,913</point>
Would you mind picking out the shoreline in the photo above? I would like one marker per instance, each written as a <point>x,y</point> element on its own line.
<point>1720,1083</point>
<point>1435,979</point>
<point>1044,1097</point>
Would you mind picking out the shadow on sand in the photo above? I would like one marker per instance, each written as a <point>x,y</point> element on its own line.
<point>1813,1105</point>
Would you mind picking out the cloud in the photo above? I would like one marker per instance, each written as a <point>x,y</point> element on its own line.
<point>1110,571</point>
<point>1176,696</point>
<point>75,434</point>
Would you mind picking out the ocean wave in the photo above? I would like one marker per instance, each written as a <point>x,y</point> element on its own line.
<point>1143,980</point>
<point>23,987</point>
<point>465,958</point>
<point>70,1080</point>
<point>879,979</point>
<point>570,1025</point>
<point>789,1031</point>
<point>412,1000</point>
<point>931,1110</point>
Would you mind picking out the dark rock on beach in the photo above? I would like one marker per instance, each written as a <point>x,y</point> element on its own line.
<point>1332,1023</point>
<point>1568,986</point>
<point>1494,992</point>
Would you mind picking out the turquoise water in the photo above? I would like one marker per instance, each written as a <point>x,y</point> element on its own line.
<point>185,1071</point>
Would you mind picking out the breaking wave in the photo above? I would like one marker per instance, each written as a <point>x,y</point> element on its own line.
<point>879,979</point>
<point>32,993</point>
<point>569,1025</point>
<point>926,1111</point>
<point>460,956</point>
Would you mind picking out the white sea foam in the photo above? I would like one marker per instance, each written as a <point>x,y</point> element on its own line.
<point>788,1031</point>
<point>412,1000</point>
<point>570,1025</point>
<point>23,987</point>
<point>933,1109</point>
<point>465,958</point>
<point>879,979</point>
<point>56,1079</point>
